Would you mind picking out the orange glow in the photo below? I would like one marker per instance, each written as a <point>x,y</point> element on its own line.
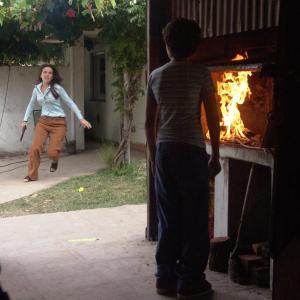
<point>233,90</point>
<point>241,56</point>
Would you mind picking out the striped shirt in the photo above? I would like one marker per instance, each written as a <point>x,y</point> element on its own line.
<point>176,87</point>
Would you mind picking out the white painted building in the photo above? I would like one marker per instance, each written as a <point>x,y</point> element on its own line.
<point>91,93</point>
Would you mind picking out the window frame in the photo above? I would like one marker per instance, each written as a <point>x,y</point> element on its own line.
<point>98,76</point>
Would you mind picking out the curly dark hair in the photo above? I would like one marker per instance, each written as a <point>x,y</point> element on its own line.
<point>56,77</point>
<point>182,36</point>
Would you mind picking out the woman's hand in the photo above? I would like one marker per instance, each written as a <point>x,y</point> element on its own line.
<point>23,125</point>
<point>85,124</point>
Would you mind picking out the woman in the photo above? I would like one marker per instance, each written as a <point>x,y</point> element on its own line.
<point>52,123</point>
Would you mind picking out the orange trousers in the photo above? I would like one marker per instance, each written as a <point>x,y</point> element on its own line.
<point>52,127</point>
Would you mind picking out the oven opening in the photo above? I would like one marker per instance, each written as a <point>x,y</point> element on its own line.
<point>244,101</point>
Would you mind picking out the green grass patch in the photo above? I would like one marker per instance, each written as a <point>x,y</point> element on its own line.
<point>106,188</point>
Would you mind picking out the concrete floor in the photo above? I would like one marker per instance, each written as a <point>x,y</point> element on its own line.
<point>98,254</point>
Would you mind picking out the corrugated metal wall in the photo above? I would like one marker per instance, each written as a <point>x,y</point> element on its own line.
<point>222,17</point>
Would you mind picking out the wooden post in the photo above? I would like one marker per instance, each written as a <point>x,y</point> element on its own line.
<point>285,241</point>
<point>158,14</point>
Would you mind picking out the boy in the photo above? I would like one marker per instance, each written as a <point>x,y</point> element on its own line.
<point>179,162</point>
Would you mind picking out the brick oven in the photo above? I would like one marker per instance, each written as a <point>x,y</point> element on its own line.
<point>266,30</point>
<point>248,28</point>
<point>245,100</point>
<point>239,41</point>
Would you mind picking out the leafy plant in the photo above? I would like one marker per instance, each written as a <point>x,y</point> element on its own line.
<point>107,150</point>
<point>25,25</point>
<point>123,29</point>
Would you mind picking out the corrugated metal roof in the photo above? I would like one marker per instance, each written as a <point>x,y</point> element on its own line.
<point>222,17</point>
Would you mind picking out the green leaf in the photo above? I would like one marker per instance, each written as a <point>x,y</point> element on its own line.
<point>99,4</point>
<point>84,3</point>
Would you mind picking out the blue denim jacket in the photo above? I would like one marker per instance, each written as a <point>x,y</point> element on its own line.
<point>51,107</point>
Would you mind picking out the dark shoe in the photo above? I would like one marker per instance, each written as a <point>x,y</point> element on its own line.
<point>53,166</point>
<point>195,290</point>
<point>166,287</point>
<point>27,179</point>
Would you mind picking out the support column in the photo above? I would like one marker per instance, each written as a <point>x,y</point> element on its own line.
<point>221,200</point>
<point>77,90</point>
<point>158,14</point>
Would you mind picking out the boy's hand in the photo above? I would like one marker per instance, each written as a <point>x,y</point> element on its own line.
<point>214,167</point>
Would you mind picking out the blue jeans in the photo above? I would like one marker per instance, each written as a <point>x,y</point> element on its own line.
<point>182,193</point>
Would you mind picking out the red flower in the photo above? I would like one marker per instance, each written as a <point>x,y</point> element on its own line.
<point>71,13</point>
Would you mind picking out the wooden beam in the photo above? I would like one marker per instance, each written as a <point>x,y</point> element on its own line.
<point>285,241</point>
<point>158,14</point>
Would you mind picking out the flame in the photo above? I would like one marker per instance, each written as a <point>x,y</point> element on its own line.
<point>241,56</point>
<point>233,89</point>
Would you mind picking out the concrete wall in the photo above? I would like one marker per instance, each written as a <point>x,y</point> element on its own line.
<point>102,114</point>
<point>139,116</point>
<point>16,85</point>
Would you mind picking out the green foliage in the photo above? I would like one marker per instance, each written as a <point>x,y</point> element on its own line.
<point>106,188</point>
<point>107,154</point>
<point>25,24</point>
<point>123,29</point>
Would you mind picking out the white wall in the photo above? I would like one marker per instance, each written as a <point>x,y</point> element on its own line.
<point>18,92</point>
<point>105,120</point>
<point>139,116</point>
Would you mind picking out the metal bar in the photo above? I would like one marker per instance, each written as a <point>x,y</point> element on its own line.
<point>238,18</point>
<point>261,14</point>
<point>231,16</point>
<point>210,19</point>
<point>253,14</point>
<point>224,17</point>
<point>205,19</point>
<point>269,13</point>
<point>277,5</point>
<point>243,214</point>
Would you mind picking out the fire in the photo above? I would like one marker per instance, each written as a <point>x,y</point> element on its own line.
<point>241,56</point>
<point>233,90</point>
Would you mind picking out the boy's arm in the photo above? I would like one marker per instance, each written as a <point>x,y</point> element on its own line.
<point>213,123</point>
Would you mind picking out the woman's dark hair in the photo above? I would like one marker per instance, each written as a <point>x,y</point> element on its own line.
<point>56,78</point>
<point>182,36</point>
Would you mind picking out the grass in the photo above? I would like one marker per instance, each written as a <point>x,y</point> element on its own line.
<point>106,188</point>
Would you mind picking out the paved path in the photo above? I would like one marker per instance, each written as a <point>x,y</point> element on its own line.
<point>13,170</point>
<point>97,254</point>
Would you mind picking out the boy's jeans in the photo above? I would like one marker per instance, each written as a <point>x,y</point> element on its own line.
<point>181,185</point>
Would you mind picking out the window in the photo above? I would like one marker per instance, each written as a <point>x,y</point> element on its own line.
<point>98,76</point>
